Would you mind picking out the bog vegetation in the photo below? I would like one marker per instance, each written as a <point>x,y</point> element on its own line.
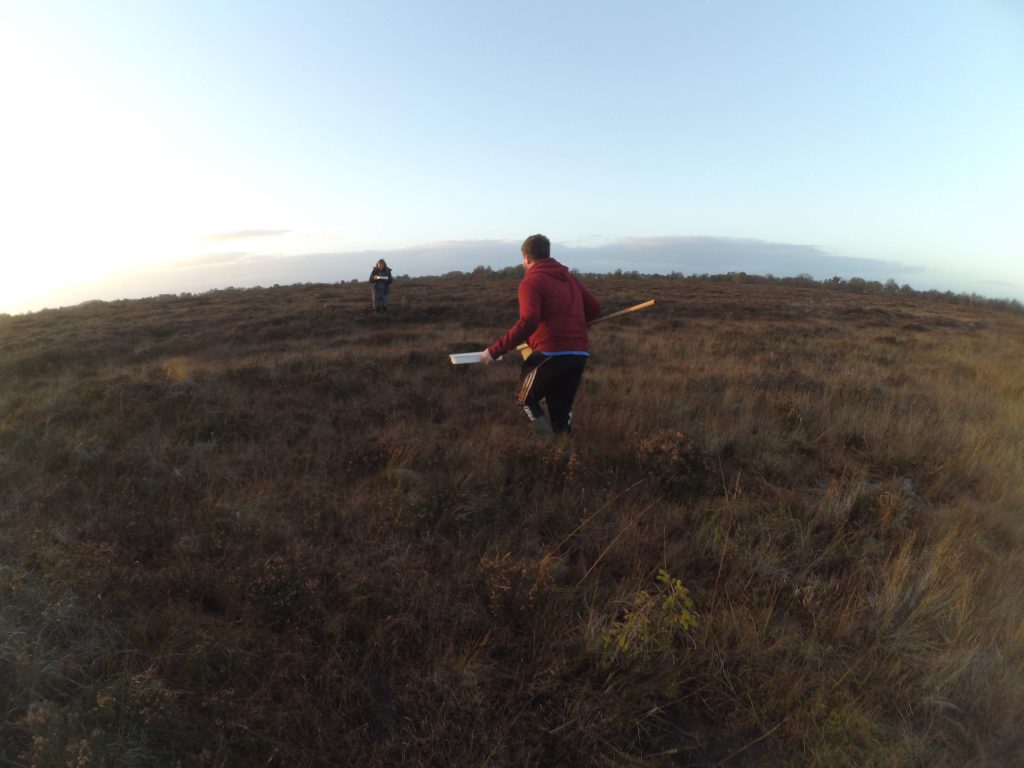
<point>268,527</point>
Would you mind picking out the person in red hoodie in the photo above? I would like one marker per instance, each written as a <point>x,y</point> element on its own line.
<point>554,309</point>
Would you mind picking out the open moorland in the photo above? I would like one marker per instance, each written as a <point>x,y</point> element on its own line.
<point>269,527</point>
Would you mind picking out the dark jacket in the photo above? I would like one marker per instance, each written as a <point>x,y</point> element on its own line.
<point>378,276</point>
<point>554,309</point>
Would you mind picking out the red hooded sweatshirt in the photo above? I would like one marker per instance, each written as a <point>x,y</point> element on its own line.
<point>554,309</point>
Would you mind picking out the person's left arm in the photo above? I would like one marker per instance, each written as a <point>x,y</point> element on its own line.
<point>591,306</point>
<point>529,319</point>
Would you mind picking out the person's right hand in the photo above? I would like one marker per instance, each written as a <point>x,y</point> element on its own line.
<point>485,357</point>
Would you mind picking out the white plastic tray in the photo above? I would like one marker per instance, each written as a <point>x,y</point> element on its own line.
<point>465,358</point>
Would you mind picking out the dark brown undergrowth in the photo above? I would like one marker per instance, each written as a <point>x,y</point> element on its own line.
<point>268,527</point>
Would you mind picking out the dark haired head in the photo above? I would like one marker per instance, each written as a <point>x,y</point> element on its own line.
<point>536,247</point>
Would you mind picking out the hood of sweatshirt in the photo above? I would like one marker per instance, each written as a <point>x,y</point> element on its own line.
<point>549,268</point>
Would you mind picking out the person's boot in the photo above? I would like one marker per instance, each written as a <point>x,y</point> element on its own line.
<point>542,426</point>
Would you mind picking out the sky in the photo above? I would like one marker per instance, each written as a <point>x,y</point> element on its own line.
<point>161,147</point>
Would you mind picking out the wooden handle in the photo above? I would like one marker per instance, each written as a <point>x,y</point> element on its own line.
<point>524,348</point>
<point>644,305</point>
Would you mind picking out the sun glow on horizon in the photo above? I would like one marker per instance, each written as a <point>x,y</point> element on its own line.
<point>148,148</point>
<point>90,188</point>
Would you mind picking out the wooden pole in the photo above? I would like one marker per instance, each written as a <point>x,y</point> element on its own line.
<point>524,349</point>
<point>637,308</point>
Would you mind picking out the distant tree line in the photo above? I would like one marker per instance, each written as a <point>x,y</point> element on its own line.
<point>803,280</point>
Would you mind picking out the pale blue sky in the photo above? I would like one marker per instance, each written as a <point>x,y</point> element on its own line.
<point>143,141</point>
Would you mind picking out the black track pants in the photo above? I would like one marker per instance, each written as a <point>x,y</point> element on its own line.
<point>555,379</point>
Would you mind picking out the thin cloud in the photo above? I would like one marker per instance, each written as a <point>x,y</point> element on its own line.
<point>243,234</point>
<point>720,255</point>
<point>647,255</point>
<point>453,245</point>
<point>224,258</point>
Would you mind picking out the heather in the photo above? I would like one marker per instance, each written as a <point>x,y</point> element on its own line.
<point>270,527</point>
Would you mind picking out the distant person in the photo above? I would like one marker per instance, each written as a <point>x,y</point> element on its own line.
<point>554,309</point>
<point>381,279</point>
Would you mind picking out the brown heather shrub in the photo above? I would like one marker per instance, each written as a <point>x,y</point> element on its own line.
<point>675,464</point>
<point>268,527</point>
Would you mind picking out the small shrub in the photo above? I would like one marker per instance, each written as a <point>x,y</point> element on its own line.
<point>515,587</point>
<point>676,464</point>
<point>275,589</point>
<point>654,622</point>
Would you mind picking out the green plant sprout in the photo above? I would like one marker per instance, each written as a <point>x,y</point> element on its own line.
<point>652,625</point>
